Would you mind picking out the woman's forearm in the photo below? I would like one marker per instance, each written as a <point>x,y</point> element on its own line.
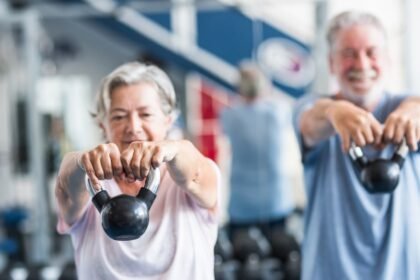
<point>70,190</point>
<point>195,173</point>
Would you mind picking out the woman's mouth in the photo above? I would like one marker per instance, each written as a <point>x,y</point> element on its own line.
<point>129,141</point>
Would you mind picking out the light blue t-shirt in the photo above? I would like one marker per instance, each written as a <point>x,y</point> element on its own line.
<point>349,233</point>
<point>259,191</point>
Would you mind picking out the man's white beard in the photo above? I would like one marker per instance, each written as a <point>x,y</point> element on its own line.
<point>367,99</point>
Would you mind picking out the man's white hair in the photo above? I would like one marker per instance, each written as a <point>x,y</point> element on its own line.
<point>348,19</point>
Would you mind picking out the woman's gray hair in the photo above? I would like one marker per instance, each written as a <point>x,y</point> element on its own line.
<point>133,73</point>
<point>351,18</point>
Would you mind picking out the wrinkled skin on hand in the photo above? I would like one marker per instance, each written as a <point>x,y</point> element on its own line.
<point>355,124</point>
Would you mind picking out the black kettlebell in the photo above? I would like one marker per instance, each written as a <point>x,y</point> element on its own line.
<point>126,217</point>
<point>379,175</point>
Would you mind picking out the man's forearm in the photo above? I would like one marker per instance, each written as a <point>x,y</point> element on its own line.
<point>314,123</point>
<point>412,101</point>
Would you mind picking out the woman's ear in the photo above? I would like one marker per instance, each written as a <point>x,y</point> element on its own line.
<point>103,131</point>
<point>170,119</point>
<point>331,64</point>
<point>173,132</point>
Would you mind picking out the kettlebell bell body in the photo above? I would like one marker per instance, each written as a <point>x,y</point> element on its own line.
<point>126,217</point>
<point>379,175</point>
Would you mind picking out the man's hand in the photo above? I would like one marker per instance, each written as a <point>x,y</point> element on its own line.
<point>404,122</point>
<point>353,123</point>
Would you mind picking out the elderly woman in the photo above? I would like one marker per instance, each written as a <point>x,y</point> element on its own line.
<point>135,109</point>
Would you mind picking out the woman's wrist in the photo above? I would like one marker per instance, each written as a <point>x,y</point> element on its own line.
<point>78,156</point>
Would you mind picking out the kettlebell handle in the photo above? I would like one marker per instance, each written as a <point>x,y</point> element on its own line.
<point>356,154</point>
<point>153,180</point>
<point>99,197</point>
<point>401,153</point>
<point>89,187</point>
<point>147,193</point>
<point>152,183</point>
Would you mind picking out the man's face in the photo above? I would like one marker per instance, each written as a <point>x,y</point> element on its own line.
<point>358,59</point>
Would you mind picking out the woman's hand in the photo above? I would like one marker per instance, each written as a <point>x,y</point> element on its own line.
<point>140,156</point>
<point>186,165</point>
<point>103,162</point>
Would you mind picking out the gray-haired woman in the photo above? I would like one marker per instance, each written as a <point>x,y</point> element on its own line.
<point>135,109</point>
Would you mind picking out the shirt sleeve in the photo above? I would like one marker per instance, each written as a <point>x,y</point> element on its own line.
<point>64,228</point>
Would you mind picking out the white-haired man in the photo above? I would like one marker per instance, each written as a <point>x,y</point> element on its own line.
<point>351,233</point>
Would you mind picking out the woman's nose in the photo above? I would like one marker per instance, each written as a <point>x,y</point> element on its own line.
<point>134,123</point>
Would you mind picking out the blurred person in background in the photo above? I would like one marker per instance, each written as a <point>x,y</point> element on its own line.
<point>351,233</point>
<point>134,110</point>
<point>260,193</point>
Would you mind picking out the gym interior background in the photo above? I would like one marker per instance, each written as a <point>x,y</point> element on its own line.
<point>53,53</point>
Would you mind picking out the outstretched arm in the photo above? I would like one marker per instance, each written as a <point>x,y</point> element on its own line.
<point>195,173</point>
<point>404,121</point>
<point>102,162</point>
<point>186,165</point>
<point>70,190</point>
<point>314,124</point>
<point>352,123</point>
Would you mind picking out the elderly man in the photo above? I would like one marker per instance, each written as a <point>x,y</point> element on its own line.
<point>351,233</point>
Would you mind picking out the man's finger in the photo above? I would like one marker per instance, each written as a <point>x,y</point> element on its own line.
<point>411,137</point>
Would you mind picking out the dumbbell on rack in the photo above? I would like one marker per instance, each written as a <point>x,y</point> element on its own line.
<point>253,250</point>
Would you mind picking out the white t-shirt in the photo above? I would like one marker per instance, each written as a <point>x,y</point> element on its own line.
<point>177,244</point>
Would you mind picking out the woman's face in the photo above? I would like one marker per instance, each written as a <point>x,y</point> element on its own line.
<point>135,114</point>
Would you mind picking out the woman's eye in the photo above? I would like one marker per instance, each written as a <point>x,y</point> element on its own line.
<point>145,115</point>
<point>117,118</point>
